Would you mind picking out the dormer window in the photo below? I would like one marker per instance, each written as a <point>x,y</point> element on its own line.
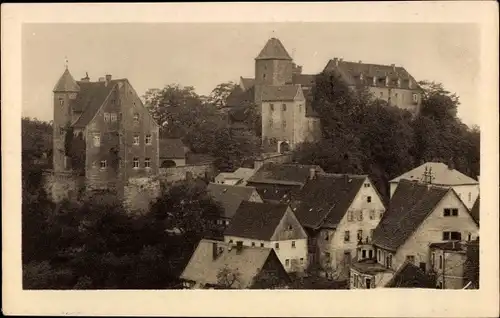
<point>136,117</point>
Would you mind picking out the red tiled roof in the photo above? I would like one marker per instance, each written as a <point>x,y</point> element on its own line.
<point>350,72</point>
<point>283,173</point>
<point>411,276</point>
<point>255,220</point>
<point>172,148</point>
<point>229,196</point>
<point>66,83</point>
<point>274,50</point>
<point>279,93</point>
<point>410,205</point>
<point>326,198</point>
<point>90,99</point>
<point>474,212</point>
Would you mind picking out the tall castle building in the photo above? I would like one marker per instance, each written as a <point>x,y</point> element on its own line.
<point>102,134</point>
<point>283,95</point>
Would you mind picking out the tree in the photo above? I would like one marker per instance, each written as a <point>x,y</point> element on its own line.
<point>228,278</point>
<point>219,94</point>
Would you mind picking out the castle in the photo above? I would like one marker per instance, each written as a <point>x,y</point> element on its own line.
<point>102,136</point>
<point>283,95</point>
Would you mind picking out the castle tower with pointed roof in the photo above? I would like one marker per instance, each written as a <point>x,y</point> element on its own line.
<point>273,67</point>
<point>65,91</point>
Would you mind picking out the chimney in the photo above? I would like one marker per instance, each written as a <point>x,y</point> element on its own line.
<point>393,67</point>
<point>214,251</point>
<point>360,62</point>
<point>312,173</point>
<point>239,246</point>
<point>336,61</point>
<point>86,78</point>
<point>108,79</point>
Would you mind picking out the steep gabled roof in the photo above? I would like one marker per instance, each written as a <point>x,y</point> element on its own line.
<point>351,71</point>
<point>280,93</point>
<point>66,83</point>
<point>90,99</point>
<point>172,148</point>
<point>202,268</point>
<point>326,199</point>
<point>410,205</point>
<point>283,173</point>
<point>442,175</point>
<point>273,50</point>
<point>247,83</point>
<point>254,220</point>
<point>474,212</point>
<point>239,98</point>
<point>411,276</point>
<point>229,196</point>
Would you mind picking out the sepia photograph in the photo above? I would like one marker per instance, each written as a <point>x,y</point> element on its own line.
<point>275,156</point>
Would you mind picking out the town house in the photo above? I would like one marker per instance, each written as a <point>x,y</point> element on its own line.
<point>338,212</point>
<point>419,215</point>
<point>440,174</point>
<point>273,226</point>
<point>218,265</point>
<point>279,182</point>
<point>230,198</point>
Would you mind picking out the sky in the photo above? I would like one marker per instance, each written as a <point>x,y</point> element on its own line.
<point>203,55</point>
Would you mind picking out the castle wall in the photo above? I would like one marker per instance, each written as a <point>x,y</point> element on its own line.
<point>63,185</point>
<point>139,193</point>
<point>173,174</point>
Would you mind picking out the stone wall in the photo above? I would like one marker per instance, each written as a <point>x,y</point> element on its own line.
<point>63,185</point>
<point>139,193</point>
<point>272,157</point>
<point>173,174</point>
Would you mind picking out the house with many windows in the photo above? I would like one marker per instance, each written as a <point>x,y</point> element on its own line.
<point>339,212</point>
<point>419,215</point>
<point>270,225</point>
<point>102,132</point>
<point>440,174</point>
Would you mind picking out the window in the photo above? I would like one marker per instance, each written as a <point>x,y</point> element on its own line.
<point>283,107</point>
<point>454,212</point>
<point>370,254</point>
<point>368,199</point>
<point>360,235</point>
<point>446,212</point>
<point>97,140</point>
<point>415,97</point>
<point>287,262</point>
<point>440,261</point>
<point>135,162</point>
<point>360,215</point>
<point>264,76</point>
<point>230,241</point>
<point>61,101</point>
<point>253,243</point>
<point>372,214</point>
<point>327,256</point>
<point>277,245</point>
<point>363,254</point>
<point>293,244</point>
<point>422,266</point>
<point>107,117</point>
<point>61,131</point>
<point>355,280</point>
<point>378,256</point>
<point>433,259</point>
<point>261,244</point>
<point>136,140</point>
<point>104,164</point>
<point>301,261</point>
<point>470,197</point>
<point>389,261</point>
<point>300,108</point>
<point>347,236</point>
<point>350,216</point>
<point>271,106</point>
<point>469,237</point>
<point>283,124</point>
<point>410,258</point>
<point>148,139</point>
<point>147,163</point>
<point>366,185</point>
<point>453,236</point>
<point>113,117</point>
<point>368,283</point>
<point>326,236</point>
